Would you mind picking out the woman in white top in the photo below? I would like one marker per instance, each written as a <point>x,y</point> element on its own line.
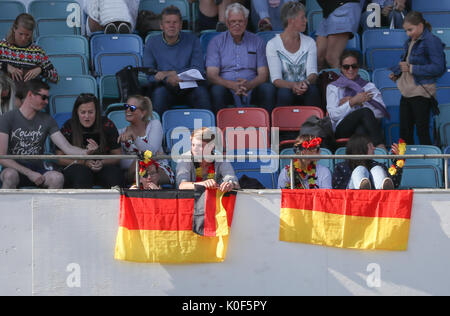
<point>143,134</point>
<point>308,174</point>
<point>354,105</point>
<point>292,59</point>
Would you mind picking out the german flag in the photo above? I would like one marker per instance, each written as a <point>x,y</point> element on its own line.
<point>157,226</point>
<point>359,219</point>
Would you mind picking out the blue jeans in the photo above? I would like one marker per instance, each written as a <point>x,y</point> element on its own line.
<point>286,97</point>
<point>376,176</point>
<point>262,96</point>
<point>163,98</point>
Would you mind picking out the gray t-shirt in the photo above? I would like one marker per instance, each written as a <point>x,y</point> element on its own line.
<point>27,137</point>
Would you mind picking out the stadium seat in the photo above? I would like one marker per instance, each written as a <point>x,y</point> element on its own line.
<point>382,48</point>
<point>110,63</point>
<point>329,163</point>
<point>116,43</point>
<point>290,118</point>
<point>56,17</point>
<point>422,173</point>
<point>268,35</point>
<point>438,18</point>
<point>312,5</point>
<point>378,151</point>
<point>68,53</point>
<point>314,19</point>
<point>64,93</point>
<point>244,128</point>
<point>430,5</point>
<point>380,77</point>
<point>443,94</point>
<point>205,38</point>
<point>62,117</point>
<point>118,118</point>
<point>443,33</point>
<point>108,90</point>
<point>158,6</point>
<point>189,119</point>
<point>447,152</point>
<point>391,96</point>
<point>9,10</point>
<point>264,170</point>
<point>444,81</point>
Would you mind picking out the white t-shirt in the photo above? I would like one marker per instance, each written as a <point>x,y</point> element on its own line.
<point>294,67</point>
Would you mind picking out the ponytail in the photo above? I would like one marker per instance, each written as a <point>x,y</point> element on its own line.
<point>416,18</point>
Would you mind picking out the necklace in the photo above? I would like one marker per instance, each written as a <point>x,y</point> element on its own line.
<point>301,176</point>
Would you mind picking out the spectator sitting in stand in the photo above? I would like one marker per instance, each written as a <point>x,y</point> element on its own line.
<point>365,174</point>
<point>392,13</point>
<point>87,126</point>
<point>236,65</point>
<point>172,53</point>
<point>21,58</point>
<point>292,59</point>
<point>212,14</point>
<point>8,100</point>
<point>265,15</point>
<point>355,105</point>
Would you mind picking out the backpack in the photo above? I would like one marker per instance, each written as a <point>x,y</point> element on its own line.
<point>128,80</point>
<point>325,78</point>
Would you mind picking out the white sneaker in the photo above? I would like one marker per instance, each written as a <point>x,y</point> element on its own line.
<point>387,184</point>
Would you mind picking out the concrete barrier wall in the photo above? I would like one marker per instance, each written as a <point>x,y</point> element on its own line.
<point>62,243</point>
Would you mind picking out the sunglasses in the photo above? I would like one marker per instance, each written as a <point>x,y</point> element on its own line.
<point>131,107</point>
<point>43,96</point>
<point>347,67</point>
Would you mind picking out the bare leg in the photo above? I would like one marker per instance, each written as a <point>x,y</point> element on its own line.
<point>321,43</point>
<point>10,178</point>
<point>335,47</point>
<point>94,26</point>
<point>54,180</point>
<point>208,8</point>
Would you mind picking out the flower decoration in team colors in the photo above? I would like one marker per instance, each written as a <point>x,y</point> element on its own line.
<point>400,162</point>
<point>145,160</point>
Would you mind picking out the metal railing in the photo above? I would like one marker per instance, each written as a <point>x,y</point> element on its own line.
<point>234,157</point>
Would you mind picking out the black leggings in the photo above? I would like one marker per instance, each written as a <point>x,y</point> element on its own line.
<point>415,111</point>
<point>361,122</point>
<point>81,177</point>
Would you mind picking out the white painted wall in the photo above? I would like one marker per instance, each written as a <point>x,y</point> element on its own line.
<point>42,234</point>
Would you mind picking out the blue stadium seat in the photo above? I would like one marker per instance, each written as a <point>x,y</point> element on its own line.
<point>268,35</point>
<point>443,94</point>
<point>64,93</point>
<point>312,5</point>
<point>430,5</point>
<point>438,18</point>
<point>116,43</point>
<point>446,151</point>
<point>444,81</point>
<point>422,173</point>
<point>188,118</point>
<point>68,53</point>
<point>158,6</point>
<point>56,17</point>
<point>264,170</point>
<point>314,19</point>
<point>205,38</point>
<point>329,163</point>
<point>9,10</point>
<point>118,118</point>
<point>106,63</point>
<point>108,89</point>
<point>382,48</point>
<point>62,117</point>
<point>378,151</point>
<point>380,77</point>
<point>391,96</point>
<point>443,33</point>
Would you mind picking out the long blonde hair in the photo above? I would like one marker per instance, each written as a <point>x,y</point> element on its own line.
<point>7,83</point>
<point>24,20</point>
<point>146,105</point>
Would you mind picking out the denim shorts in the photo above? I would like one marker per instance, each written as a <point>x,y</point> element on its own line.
<point>342,20</point>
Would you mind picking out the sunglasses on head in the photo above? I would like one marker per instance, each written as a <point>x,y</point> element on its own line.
<point>43,96</point>
<point>347,67</point>
<point>131,107</point>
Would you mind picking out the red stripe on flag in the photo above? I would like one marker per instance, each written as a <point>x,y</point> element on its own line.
<point>156,214</point>
<point>209,228</point>
<point>368,203</point>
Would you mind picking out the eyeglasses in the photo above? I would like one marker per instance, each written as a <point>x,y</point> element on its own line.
<point>347,67</point>
<point>43,96</point>
<point>131,107</point>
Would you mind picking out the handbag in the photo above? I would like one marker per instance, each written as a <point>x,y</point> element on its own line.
<point>128,80</point>
<point>433,103</point>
